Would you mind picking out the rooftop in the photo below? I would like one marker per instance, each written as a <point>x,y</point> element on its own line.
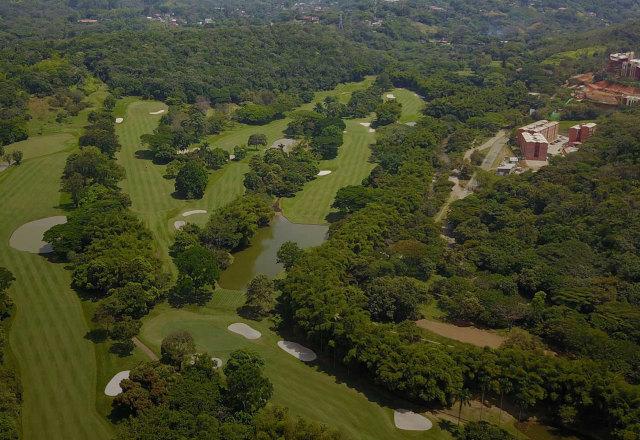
<point>535,137</point>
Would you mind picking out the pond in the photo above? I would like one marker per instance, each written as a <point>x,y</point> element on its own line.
<point>261,256</point>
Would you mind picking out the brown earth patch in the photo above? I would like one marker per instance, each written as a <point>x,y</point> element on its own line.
<point>470,335</point>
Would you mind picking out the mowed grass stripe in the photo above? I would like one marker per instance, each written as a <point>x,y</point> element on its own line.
<point>56,363</point>
<point>313,203</point>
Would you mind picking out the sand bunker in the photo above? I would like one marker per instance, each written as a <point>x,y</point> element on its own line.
<point>366,124</point>
<point>159,112</point>
<point>217,362</point>
<point>113,387</point>
<point>232,157</point>
<point>410,421</point>
<point>296,350</point>
<point>324,173</point>
<point>179,224</point>
<point>287,144</point>
<point>29,237</point>
<point>119,120</point>
<point>372,130</point>
<point>411,124</point>
<point>194,212</point>
<point>244,330</point>
<point>391,96</point>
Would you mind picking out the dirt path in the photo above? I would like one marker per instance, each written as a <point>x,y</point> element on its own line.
<point>138,343</point>
<point>495,145</point>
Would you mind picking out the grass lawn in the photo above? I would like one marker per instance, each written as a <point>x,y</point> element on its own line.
<point>63,373</point>
<point>564,126</point>
<point>412,105</point>
<point>57,364</point>
<point>313,203</point>
<point>150,192</point>
<point>336,399</point>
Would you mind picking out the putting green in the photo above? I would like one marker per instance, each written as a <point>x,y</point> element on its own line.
<point>349,404</point>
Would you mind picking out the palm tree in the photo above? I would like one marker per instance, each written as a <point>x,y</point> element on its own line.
<point>464,398</point>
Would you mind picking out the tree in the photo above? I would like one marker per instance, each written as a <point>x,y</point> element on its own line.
<point>191,181</point>
<point>260,295</point>
<point>239,152</point>
<point>289,253</point>
<point>257,140</point>
<point>387,113</point>
<point>248,390</point>
<point>200,264</point>
<point>122,332</point>
<point>214,158</point>
<point>176,347</point>
<point>463,397</point>
<point>395,298</point>
<point>16,156</point>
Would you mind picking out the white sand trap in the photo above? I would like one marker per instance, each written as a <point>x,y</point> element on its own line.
<point>119,120</point>
<point>391,96</point>
<point>324,173</point>
<point>410,421</point>
<point>29,237</point>
<point>159,112</point>
<point>194,212</point>
<point>372,130</point>
<point>296,350</point>
<point>113,387</point>
<point>244,330</point>
<point>366,124</point>
<point>217,362</point>
<point>411,124</point>
<point>179,224</point>
<point>232,157</point>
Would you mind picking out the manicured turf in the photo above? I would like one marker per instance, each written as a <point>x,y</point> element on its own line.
<point>313,203</point>
<point>337,399</point>
<point>63,373</point>
<point>151,193</point>
<point>56,363</point>
<point>412,105</point>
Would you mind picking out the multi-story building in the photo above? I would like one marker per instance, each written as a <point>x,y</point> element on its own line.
<point>580,133</point>
<point>534,146</point>
<point>616,60</point>
<point>624,65</point>
<point>534,139</point>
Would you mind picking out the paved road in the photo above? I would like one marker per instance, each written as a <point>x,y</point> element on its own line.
<point>495,145</point>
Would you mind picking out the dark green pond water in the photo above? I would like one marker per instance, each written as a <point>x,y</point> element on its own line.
<point>261,256</point>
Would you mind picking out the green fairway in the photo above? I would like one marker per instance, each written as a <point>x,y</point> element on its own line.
<point>57,364</point>
<point>412,105</point>
<point>313,203</point>
<point>150,192</point>
<point>238,134</point>
<point>348,404</point>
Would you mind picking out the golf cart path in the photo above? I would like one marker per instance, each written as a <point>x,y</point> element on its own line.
<point>146,350</point>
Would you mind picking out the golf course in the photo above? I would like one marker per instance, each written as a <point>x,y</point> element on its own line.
<point>59,367</point>
<point>64,372</point>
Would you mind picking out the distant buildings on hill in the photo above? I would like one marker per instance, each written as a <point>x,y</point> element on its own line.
<point>624,65</point>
